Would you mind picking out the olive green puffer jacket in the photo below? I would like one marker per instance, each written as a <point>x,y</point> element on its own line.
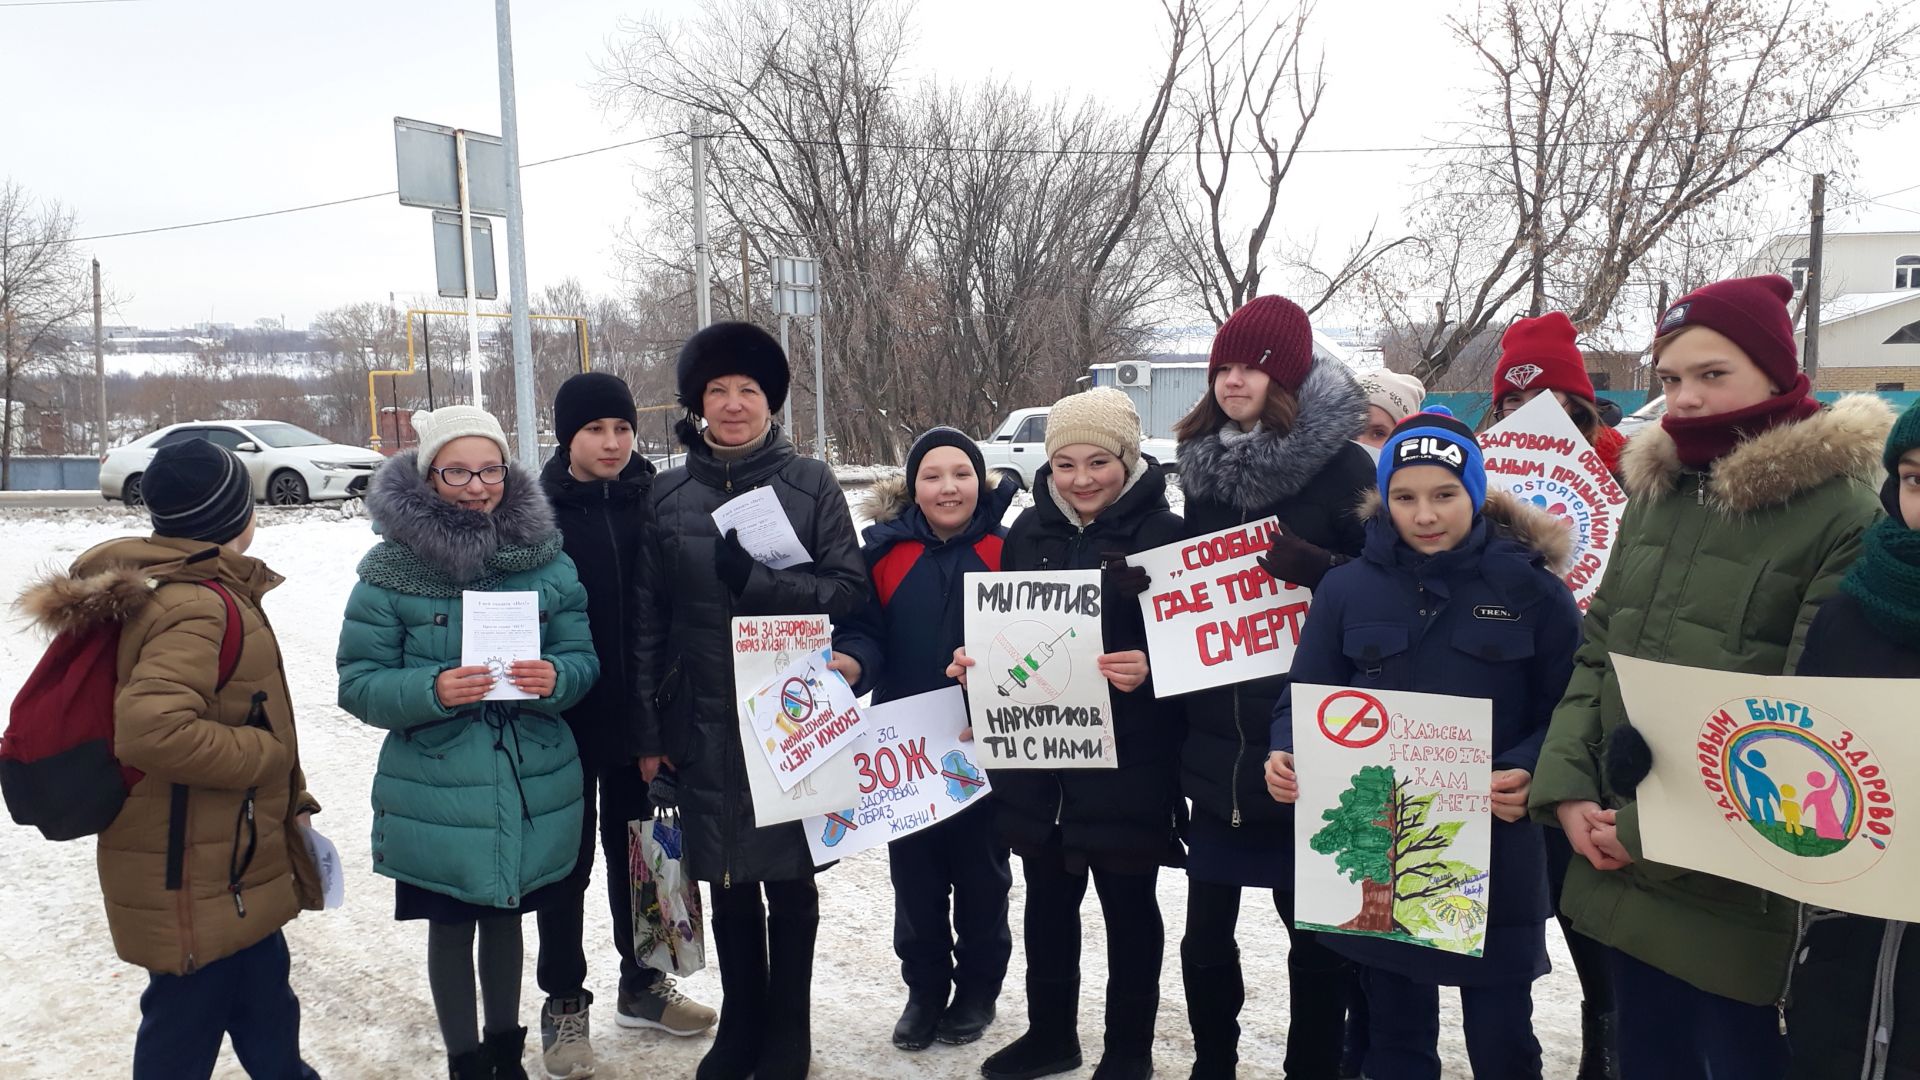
<point>1721,569</point>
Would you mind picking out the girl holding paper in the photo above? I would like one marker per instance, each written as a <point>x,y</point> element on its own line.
<point>936,523</point>
<point>1457,593</point>
<point>1271,439</point>
<point>693,580</point>
<point>1749,504</point>
<point>1097,501</point>
<point>1540,356</point>
<point>476,803</point>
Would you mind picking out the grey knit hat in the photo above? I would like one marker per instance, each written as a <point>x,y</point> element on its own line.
<point>441,426</point>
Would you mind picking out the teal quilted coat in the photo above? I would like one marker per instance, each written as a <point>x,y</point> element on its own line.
<point>483,803</point>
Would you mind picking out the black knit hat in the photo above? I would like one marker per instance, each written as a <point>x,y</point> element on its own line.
<point>590,396</point>
<point>944,436</point>
<point>732,348</point>
<point>195,490</point>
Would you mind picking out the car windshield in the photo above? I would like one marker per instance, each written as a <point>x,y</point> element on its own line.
<point>281,436</point>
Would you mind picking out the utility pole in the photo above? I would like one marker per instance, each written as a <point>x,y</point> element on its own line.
<point>702,269</point>
<point>523,391</point>
<point>99,359</point>
<point>1816,276</point>
<point>474,361</point>
<point>746,281</point>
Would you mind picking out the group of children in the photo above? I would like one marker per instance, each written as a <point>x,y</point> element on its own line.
<point>1753,542</point>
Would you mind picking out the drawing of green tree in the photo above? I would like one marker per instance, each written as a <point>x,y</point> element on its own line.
<point>1379,836</point>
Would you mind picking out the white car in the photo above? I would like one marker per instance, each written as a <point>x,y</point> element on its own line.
<point>289,465</point>
<point>1020,446</point>
<point>1638,420</point>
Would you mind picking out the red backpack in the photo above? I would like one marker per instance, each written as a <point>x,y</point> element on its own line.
<point>57,769</point>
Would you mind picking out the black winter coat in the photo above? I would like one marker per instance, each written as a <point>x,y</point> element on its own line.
<point>1133,813</point>
<point>1489,619</point>
<point>1835,993</point>
<point>684,655</point>
<point>601,524</point>
<point>1313,478</point>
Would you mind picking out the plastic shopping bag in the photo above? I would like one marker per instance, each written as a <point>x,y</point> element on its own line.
<point>667,922</point>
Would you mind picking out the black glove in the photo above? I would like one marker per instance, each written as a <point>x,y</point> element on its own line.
<point>1625,760</point>
<point>1290,558</point>
<point>1120,579</point>
<point>732,562</point>
<point>665,789</point>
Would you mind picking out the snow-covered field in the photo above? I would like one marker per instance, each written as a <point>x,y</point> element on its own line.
<point>69,1008</point>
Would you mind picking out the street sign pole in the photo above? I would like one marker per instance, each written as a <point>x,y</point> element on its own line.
<point>819,386</point>
<point>523,391</point>
<point>786,423</point>
<point>702,271</point>
<point>466,258</point>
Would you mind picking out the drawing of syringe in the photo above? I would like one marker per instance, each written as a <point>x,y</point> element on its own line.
<point>1029,665</point>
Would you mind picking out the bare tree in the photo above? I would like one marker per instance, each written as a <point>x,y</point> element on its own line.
<point>1601,130</point>
<point>44,289</point>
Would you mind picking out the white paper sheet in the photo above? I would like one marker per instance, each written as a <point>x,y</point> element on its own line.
<point>497,628</point>
<point>764,529</point>
<point>333,881</point>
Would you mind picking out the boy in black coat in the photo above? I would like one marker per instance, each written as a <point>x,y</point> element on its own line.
<point>598,488</point>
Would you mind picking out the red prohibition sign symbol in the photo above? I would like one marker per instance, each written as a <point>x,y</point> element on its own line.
<point>1369,719</point>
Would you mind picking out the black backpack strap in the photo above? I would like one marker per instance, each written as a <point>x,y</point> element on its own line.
<point>176,837</point>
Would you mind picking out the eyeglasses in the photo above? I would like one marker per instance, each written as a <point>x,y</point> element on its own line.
<point>457,477</point>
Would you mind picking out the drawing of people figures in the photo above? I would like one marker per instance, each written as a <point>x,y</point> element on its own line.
<point>1761,791</point>
<point>1819,803</point>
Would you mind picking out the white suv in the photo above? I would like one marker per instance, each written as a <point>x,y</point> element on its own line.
<point>289,465</point>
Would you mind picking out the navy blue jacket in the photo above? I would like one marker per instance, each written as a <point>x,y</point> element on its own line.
<point>905,636</point>
<point>1487,620</point>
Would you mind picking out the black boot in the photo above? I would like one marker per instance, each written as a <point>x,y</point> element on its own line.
<point>1215,993</point>
<point>1597,1058</point>
<point>1353,1051</point>
<point>793,922</point>
<point>919,1020</point>
<point>1128,1043</point>
<point>971,1012</point>
<point>504,1051</point>
<point>740,938</point>
<point>1052,1040</point>
<point>472,1065</point>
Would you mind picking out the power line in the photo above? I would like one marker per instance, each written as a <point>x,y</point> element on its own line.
<point>62,3</point>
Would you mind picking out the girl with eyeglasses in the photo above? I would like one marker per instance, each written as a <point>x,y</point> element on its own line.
<point>476,804</point>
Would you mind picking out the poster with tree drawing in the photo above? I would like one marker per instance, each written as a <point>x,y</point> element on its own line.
<point>1394,833</point>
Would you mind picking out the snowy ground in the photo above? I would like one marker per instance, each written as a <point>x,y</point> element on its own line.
<point>69,1007</point>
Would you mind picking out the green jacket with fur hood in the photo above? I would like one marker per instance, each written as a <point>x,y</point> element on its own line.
<point>482,803</point>
<point>1721,569</point>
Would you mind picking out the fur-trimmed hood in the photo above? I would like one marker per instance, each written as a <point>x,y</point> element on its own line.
<point>114,580</point>
<point>1509,516</point>
<point>457,542</point>
<point>1264,467</point>
<point>1774,467</point>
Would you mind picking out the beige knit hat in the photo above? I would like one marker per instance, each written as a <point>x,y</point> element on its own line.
<point>1399,396</point>
<point>1102,417</point>
<point>441,426</point>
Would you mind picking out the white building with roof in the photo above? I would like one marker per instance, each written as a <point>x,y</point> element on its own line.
<point>1869,305</point>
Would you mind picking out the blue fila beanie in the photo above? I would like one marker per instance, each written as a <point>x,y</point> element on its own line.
<point>1434,437</point>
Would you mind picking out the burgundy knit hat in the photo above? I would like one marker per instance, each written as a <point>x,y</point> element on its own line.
<point>1752,313</point>
<point>1540,354</point>
<point>1270,333</point>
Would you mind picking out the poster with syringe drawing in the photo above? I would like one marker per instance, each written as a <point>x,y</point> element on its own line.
<point>1035,695</point>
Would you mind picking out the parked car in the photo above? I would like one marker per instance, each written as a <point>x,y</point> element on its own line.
<point>1020,446</point>
<point>1650,413</point>
<point>289,465</point>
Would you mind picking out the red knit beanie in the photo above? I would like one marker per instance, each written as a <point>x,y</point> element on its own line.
<point>1270,333</point>
<point>1539,354</point>
<point>1752,313</point>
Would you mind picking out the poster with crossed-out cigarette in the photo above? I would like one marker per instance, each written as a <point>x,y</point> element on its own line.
<point>1035,696</point>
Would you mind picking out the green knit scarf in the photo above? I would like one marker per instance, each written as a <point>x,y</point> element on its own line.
<point>398,567</point>
<point>1886,580</point>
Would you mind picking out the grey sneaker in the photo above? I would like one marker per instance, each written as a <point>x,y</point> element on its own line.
<point>565,1049</point>
<point>663,1007</point>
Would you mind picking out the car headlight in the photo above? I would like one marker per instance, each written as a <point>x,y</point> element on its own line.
<point>336,466</point>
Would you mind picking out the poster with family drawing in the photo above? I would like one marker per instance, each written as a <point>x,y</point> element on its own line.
<point>1791,784</point>
<point>1035,694</point>
<point>1393,837</point>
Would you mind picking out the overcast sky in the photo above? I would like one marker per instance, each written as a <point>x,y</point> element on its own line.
<point>159,112</point>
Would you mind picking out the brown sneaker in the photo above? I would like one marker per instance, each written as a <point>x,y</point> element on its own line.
<point>664,1008</point>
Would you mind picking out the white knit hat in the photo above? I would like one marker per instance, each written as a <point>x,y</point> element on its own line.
<point>441,426</point>
<point>1102,417</point>
<point>1397,395</point>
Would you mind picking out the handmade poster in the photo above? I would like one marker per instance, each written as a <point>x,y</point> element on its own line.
<point>806,715</point>
<point>1395,828</point>
<point>1213,615</point>
<point>764,529</point>
<point>763,645</point>
<point>1036,695</point>
<point>1790,784</point>
<point>497,628</point>
<point>914,773</point>
<point>1539,455</point>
